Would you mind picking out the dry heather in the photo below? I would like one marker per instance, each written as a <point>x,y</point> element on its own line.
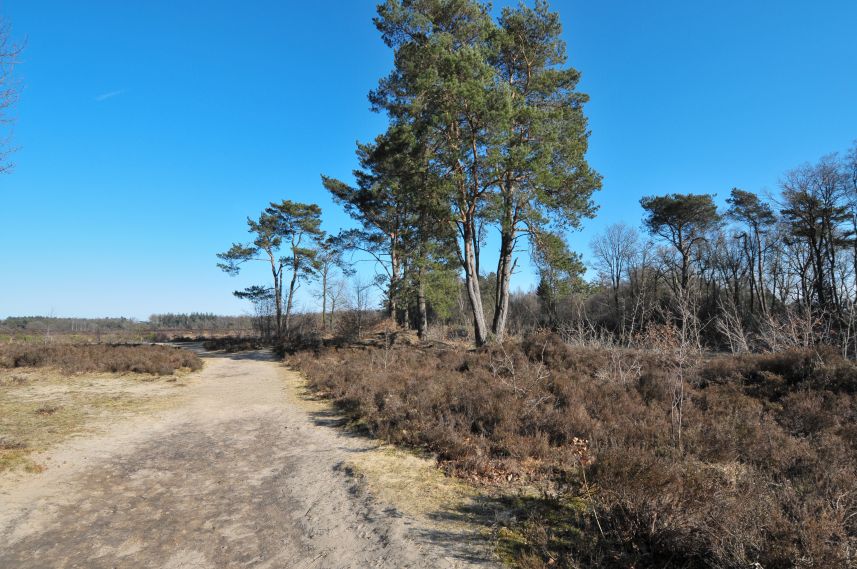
<point>642,460</point>
<point>113,358</point>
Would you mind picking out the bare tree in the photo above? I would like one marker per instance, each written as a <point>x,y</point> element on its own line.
<point>330,257</point>
<point>9,54</point>
<point>354,321</point>
<point>614,250</point>
<point>337,295</point>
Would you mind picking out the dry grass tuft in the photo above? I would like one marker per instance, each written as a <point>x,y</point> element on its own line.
<point>48,409</point>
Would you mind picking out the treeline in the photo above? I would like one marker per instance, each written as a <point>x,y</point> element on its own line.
<point>198,321</point>
<point>764,273</point>
<point>486,135</point>
<point>48,324</point>
<point>193,322</point>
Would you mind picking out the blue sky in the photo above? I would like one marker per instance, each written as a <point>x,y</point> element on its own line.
<point>149,131</point>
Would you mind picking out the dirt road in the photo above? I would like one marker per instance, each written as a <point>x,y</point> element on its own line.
<point>238,475</point>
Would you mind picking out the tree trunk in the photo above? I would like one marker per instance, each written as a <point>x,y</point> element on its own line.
<point>685,269</point>
<point>292,284</point>
<point>616,300</point>
<point>393,292</point>
<point>854,239</point>
<point>471,279</point>
<point>405,308</point>
<point>324,298</point>
<point>422,314</point>
<point>504,276</point>
<point>818,262</point>
<point>763,301</point>
<point>278,296</point>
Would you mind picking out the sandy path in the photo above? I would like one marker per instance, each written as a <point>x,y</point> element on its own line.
<point>237,476</point>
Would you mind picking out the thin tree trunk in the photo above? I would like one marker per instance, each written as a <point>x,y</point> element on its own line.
<point>292,284</point>
<point>393,292</point>
<point>619,313</point>
<point>504,275</point>
<point>405,321</point>
<point>854,241</point>
<point>278,296</point>
<point>763,301</point>
<point>471,278</point>
<point>422,314</point>
<point>324,298</point>
<point>818,262</point>
<point>685,270</point>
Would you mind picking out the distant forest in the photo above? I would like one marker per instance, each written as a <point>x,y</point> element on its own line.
<point>193,322</point>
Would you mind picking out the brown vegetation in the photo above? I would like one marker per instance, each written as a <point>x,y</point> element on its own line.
<point>114,358</point>
<point>747,459</point>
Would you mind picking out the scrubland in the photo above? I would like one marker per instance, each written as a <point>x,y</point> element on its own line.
<point>607,457</point>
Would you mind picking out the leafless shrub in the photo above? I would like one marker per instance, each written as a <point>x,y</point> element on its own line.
<point>582,332</point>
<point>624,367</point>
<point>795,327</point>
<point>730,325</point>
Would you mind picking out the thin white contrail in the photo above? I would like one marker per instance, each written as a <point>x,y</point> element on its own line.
<point>109,95</point>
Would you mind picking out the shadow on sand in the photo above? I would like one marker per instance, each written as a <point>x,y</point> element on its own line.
<point>265,355</point>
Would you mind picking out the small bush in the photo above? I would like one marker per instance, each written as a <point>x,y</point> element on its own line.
<point>47,409</point>
<point>114,358</point>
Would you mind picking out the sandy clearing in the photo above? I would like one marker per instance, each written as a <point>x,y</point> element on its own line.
<point>241,473</point>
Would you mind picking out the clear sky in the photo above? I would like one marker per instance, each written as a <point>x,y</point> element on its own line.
<point>148,131</point>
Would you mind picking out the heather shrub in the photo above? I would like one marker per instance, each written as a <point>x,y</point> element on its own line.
<point>764,471</point>
<point>114,358</point>
<point>773,375</point>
